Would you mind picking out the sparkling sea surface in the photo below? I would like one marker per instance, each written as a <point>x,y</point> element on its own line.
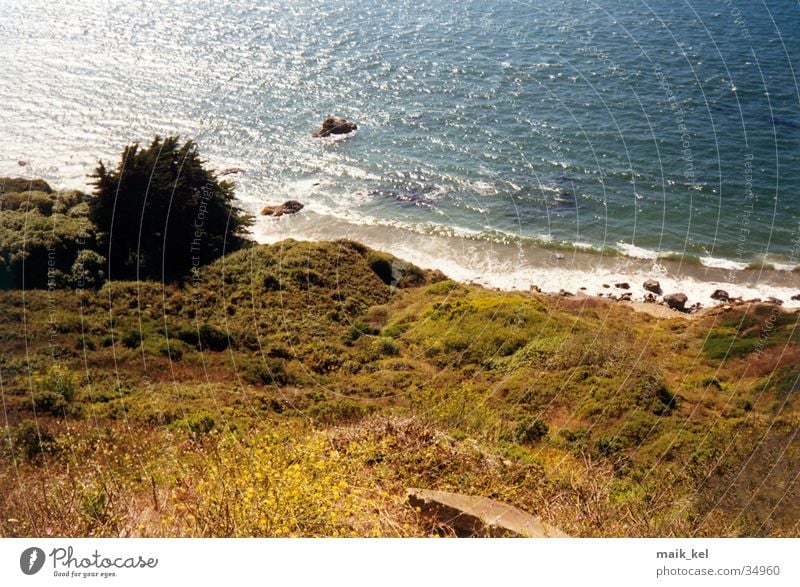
<point>639,128</point>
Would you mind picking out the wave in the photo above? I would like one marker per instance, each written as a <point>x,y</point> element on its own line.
<point>471,257</point>
<point>494,236</point>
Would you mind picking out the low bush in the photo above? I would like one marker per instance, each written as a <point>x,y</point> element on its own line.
<point>197,425</point>
<point>54,389</point>
<point>339,411</point>
<point>530,430</point>
<point>31,440</point>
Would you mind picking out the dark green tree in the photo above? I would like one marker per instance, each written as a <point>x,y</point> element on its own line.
<point>160,213</point>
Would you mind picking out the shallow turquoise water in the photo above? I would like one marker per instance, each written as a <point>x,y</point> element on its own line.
<point>647,127</point>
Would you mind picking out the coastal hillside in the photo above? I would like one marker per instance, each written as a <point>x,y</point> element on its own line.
<point>298,389</point>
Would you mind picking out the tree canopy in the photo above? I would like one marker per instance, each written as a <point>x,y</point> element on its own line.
<point>160,213</point>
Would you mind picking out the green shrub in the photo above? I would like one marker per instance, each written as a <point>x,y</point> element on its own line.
<point>271,283</point>
<point>324,358</point>
<point>207,338</point>
<point>443,287</point>
<point>40,250</point>
<point>267,371</point>
<point>530,430</point>
<point>711,382</point>
<point>197,424</point>
<point>394,330</point>
<point>385,346</point>
<point>31,440</point>
<point>28,201</point>
<point>653,394</point>
<point>54,389</point>
<point>84,343</point>
<point>212,338</point>
<point>88,270</point>
<point>95,506</point>
<point>132,339</point>
<point>172,351</point>
<point>637,427</point>
<point>306,277</point>
<point>10,185</point>
<point>608,446</point>
<point>357,330</point>
<point>339,411</point>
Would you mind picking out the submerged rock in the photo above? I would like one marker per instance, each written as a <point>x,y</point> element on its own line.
<point>652,285</point>
<point>231,171</point>
<point>333,125</point>
<point>676,301</point>
<point>289,207</point>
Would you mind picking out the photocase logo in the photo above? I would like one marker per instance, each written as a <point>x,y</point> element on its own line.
<point>31,560</point>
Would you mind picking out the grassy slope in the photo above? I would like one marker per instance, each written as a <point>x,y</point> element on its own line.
<point>288,390</point>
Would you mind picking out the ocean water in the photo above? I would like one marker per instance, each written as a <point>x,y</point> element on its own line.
<point>505,141</point>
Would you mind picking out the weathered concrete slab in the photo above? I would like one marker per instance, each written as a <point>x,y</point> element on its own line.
<point>472,515</point>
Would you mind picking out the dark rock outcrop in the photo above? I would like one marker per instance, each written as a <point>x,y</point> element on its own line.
<point>471,515</point>
<point>676,301</point>
<point>796,297</point>
<point>774,300</point>
<point>652,285</point>
<point>720,295</point>
<point>623,285</point>
<point>290,207</point>
<point>333,125</point>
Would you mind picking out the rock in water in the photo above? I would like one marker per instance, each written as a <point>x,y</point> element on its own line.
<point>721,295</point>
<point>652,285</point>
<point>676,301</point>
<point>290,207</point>
<point>623,285</point>
<point>469,515</point>
<point>231,171</point>
<point>333,125</point>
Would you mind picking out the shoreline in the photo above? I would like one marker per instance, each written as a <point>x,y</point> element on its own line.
<point>513,267</point>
